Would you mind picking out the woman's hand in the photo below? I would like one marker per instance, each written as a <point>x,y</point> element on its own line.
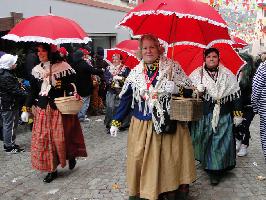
<point>119,78</point>
<point>77,96</point>
<point>170,87</point>
<point>200,88</point>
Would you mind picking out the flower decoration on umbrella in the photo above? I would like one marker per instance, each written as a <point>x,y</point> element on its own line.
<point>49,29</point>
<point>127,49</point>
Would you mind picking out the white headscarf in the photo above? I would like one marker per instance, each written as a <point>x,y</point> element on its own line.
<point>7,61</point>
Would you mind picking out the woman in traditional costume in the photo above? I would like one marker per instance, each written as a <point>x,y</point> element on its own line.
<point>159,165</point>
<point>212,135</point>
<point>55,137</point>
<point>115,76</point>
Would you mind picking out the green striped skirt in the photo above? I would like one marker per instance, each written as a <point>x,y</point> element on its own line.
<point>215,150</point>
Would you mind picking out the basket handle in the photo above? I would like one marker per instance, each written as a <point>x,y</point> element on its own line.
<point>182,98</point>
<point>74,87</point>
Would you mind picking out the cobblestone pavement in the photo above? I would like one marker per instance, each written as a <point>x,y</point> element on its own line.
<point>102,174</point>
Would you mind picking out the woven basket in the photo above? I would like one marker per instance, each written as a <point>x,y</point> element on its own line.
<point>68,105</point>
<point>186,109</point>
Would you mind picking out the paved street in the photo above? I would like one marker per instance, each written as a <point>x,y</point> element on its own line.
<point>102,174</point>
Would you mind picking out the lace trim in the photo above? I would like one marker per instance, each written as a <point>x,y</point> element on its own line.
<point>129,53</point>
<point>136,80</point>
<point>160,120</point>
<point>180,15</point>
<point>45,40</point>
<point>223,100</point>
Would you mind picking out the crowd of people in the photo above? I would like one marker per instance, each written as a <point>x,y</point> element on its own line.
<point>160,160</point>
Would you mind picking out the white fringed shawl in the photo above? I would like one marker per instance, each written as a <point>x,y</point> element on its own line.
<point>58,70</point>
<point>225,89</point>
<point>136,80</point>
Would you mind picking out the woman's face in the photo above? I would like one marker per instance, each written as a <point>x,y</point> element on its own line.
<point>212,60</point>
<point>116,60</point>
<point>42,54</point>
<point>149,51</point>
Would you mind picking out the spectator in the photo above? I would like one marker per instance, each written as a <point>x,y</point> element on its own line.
<point>10,91</point>
<point>258,100</point>
<point>84,81</point>
<point>242,132</point>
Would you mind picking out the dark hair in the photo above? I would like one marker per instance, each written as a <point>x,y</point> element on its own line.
<point>56,58</point>
<point>100,51</point>
<point>210,50</point>
<point>78,56</point>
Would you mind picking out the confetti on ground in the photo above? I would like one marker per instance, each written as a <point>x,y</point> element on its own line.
<point>115,186</point>
<point>14,180</point>
<point>254,163</point>
<point>53,191</point>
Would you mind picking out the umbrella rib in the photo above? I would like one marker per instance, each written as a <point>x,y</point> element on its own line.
<point>171,28</point>
<point>201,30</point>
<point>141,23</point>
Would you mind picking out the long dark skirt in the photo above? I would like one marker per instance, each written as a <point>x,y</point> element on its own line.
<point>74,140</point>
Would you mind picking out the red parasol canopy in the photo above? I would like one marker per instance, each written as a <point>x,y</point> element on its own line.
<point>127,49</point>
<point>48,29</point>
<point>191,57</point>
<point>181,22</point>
<point>239,43</point>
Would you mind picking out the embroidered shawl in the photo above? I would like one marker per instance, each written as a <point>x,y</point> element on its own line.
<point>58,70</point>
<point>137,81</point>
<point>225,89</point>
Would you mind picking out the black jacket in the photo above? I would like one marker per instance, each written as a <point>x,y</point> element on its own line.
<point>56,91</point>
<point>10,90</point>
<point>83,77</point>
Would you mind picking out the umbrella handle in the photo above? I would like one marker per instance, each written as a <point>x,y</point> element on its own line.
<point>171,68</point>
<point>201,75</point>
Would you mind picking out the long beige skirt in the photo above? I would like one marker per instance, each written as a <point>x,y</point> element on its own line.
<point>158,163</point>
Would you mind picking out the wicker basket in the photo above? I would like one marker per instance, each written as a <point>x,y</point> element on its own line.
<point>186,109</point>
<point>68,105</point>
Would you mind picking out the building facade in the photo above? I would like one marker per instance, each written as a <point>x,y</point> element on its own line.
<point>97,17</point>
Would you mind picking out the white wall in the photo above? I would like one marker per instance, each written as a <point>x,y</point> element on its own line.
<point>91,19</point>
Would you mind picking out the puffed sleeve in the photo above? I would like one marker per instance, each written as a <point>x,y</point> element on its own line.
<point>123,108</point>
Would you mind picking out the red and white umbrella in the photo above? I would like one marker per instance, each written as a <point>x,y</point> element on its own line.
<point>186,22</point>
<point>239,43</point>
<point>191,57</point>
<point>127,49</point>
<point>49,29</point>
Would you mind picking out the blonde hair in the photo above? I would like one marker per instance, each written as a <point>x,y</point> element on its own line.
<point>151,38</point>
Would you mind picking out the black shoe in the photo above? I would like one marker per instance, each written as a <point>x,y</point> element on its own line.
<point>50,177</point>
<point>182,195</point>
<point>13,149</point>
<point>214,179</point>
<point>72,163</point>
